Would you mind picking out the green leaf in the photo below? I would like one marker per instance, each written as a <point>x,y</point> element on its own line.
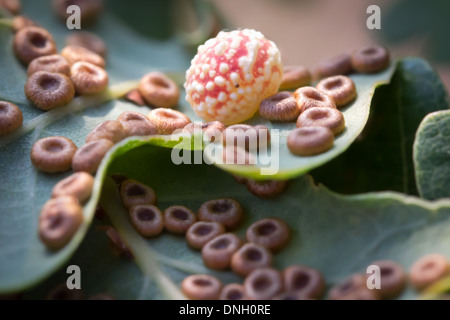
<point>338,235</point>
<point>432,156</point>
<point>381,158</point>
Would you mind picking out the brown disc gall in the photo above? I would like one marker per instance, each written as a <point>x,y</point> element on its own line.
<point>306,282</point>
<point>247,137</point>
<point>233,291</point>
<point>134,193</point>
<point>340,88</point>
<point>237,156</point>
<point>59,220</point>
<point>332,119</point>
<point>61,292</point>
<point>310,141</point>
<point>340,64</point>
<point>20,22</point>
<point>226,211</point>
<point>370,59</point>
<point>78,185</point>
<point>88,78</point>
<point>88,157</point>
<point>89,9</point>
<point>309,97</point>
<point>178,219</point>
<point>352,288</point>
<point>74,54</point>
<point>289,295</point>
<point>428,269</point>
<point>217,253</point>
<point>201,287</point>
<point>53,154</point>
<point>48,90</point>
<point>53,63</point>
<point>267,189</point>
<point>12,6</point>
<point>280,107</point>
<point>271,233</point>
<point>212,131</point>
<point>249,257</point>
<point>33,42</point>
<point>159,91</point>
<point>168,120</point>
<point>263,284</point>
<point>392,279</point>
<point>11,118</point>
<point>136,124</point>
<point>87,40</point>
<point>201,232</point>
<point>147,219</point>
<point>110,130</point>
<point>295,77</point>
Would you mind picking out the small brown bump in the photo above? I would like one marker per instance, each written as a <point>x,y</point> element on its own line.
<point>392,279</point>
<point>309,97</point>
<point>53,63</point>
<point>136,124</point>
<point>159,91</point>
<point>110,130</point>
<point>332,119</point>
<point>271,233</point>
<point>134,193</point>
<point>212,131</point>
<point>89,9</point>
<point>20,22</point>
<point>263,284</point>
<point>295,77</point>
<point>249,257</point>
<point>428,269</point>
<point>201,232</point>
<point>11,117</point>
<point>233,291</point>
<point>74,54</point>
<point>88,78</point>
<point>340,64</point>
<point>267,189</point>
<point>147,219</point>
<point>33,42</point>
<point>280,107</point>
<point>61,292</point>
<point>87,40</point>
<point>48,90</point>
<point>225,211</point>
<point>307,282</point>
<point>168,120</point>
<point>310,141</point>
<point>217,253</point>
<point>350,288</point>
<point>135,97</point>
<point>340,88</point>
<point>59,220</point>
<point>78,185</point>
<point>116,244</point>
<point>178,219</point>
<point>89,156</point>
<point>201,287</point>
<point>53,154</point>
<point>370,59</point>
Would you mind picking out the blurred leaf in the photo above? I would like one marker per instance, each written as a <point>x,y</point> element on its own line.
<point>432,156</point>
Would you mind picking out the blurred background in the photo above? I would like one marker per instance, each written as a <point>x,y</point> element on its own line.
<point>307,31</point>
